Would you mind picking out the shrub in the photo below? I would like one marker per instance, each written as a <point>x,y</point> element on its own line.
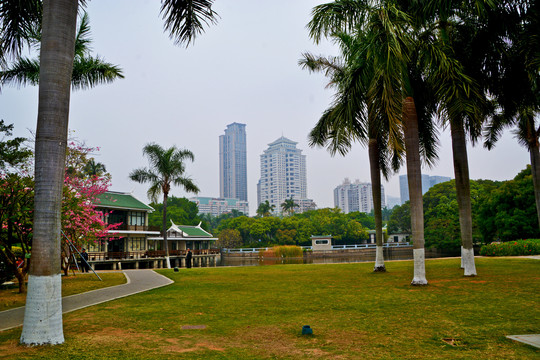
<point>512,248</point>
<point>288,251</point>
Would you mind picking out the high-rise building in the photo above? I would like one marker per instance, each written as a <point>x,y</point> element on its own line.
<point>232,163</point>
<point>357,196</point>
<point>283,175</point>
<point>427,183</point>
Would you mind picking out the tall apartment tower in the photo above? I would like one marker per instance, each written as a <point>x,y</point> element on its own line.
<point>232,163</point>
<point>283,174</point>
<point>357,196</point>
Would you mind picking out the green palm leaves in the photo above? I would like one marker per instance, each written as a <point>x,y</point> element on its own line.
<point>88,71</point>
<point>167,168</point>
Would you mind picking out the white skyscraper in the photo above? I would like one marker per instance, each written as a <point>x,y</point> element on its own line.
<point>283,174</point>
<point>357,196</point>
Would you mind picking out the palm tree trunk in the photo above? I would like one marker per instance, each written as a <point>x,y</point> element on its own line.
<point>165,244</point>
<point>43,313</point>
<point>463,189</point>
<point>414,177</point>
<point>373,149</point>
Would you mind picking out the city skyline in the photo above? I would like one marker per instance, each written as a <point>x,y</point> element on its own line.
<point>185,97</point>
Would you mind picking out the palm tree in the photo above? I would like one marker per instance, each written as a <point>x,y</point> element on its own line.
<point>93,168</point>
<point>516,88</point>
<point>265,209</point>
<point>397,81</point>
<point>346,120</point>
<point>288,206</point>
<point>88,71</point>
<point>183,20</point>
<point>166,169</point>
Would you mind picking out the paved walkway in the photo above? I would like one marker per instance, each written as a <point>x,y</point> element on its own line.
<point>137,281</point>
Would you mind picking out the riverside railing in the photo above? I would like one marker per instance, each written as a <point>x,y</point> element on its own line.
<point>334,247</point>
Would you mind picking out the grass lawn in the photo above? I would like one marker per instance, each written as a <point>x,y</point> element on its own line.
<point>258,313</point>
<point>71,285</point>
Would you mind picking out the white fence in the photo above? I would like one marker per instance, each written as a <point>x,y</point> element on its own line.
<point>334,247</point>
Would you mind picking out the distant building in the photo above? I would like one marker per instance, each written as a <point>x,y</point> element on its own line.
<point>392,201</point>
<point>283,175</point>
<point>233,163</point>
<point>218,206</point>
<point>427,183</point>
<point>357,196</point>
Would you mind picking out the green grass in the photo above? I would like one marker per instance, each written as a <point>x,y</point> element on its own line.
<point>71,285</point>
<point>258,313</point>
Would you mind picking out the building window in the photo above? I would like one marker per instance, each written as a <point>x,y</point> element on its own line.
<point>136,218</point>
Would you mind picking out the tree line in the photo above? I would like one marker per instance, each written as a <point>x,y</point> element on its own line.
<point>501,211</point>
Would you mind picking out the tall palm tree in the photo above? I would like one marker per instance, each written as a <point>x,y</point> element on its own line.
<point>184,20</point>
<point>346,121</point>
<point>167,168</point>
<point>88,71</point>
<point>288,206</point>
<point>516,87</point>
<point>396,81</point>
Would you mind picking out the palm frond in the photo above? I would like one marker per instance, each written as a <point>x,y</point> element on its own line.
<point>185,19</point>
<point>82,39</point>
<point>187,183</point>
<point>337,16</point>
<point>91,71</point>
<point>17,19</point>
<point>23,72</point>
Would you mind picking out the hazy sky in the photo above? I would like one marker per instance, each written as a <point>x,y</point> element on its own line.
<point>244,69</point>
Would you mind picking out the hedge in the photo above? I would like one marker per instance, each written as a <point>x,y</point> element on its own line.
<point>512,248</point>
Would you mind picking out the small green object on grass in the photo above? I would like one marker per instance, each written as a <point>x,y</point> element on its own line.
<point>307,330</point>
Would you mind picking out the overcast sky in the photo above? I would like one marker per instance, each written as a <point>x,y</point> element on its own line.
<point>244,69</point>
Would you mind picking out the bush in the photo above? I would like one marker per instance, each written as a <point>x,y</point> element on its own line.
<point>283,251</point>
<point>512,248</point>
<point>288,251</point>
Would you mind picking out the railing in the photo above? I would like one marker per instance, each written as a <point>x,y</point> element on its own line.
<point>138,227</point>
<point>334,247</point>
<point>133,255</point>
<point>367,246</point>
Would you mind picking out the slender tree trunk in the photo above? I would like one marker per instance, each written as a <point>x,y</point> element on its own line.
<point>43,313</point>
<point>414,177</point>
<point>535,171</point>
<point>20,275</point>
<point>165,244</point>
<point>373,149</point>
<point>463,189</point>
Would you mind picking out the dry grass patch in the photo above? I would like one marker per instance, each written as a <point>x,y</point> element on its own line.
<point>71,285</point>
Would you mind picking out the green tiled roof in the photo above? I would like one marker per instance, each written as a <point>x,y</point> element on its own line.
<point>118,200</point>
<point>194,231</point>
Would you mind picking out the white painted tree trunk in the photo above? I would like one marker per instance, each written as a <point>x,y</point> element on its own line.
<point>462,264</point>
<point>379,259</point>
<point>43,312</point>
<point>168,262</point>
<point>467,257</point>
<point>419,267</point>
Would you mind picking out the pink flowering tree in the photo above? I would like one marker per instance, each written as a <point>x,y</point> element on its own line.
<point>16,219</point>
<point>82,223</point>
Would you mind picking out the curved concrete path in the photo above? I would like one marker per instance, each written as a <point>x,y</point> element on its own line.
<point>137,281</point>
